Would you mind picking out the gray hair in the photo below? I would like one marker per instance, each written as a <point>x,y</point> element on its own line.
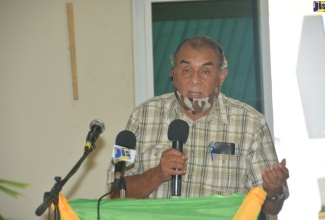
<point>202,42</point>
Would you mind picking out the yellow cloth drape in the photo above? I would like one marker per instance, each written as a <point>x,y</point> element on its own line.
<point>66,212</point>
<point>252,204</point>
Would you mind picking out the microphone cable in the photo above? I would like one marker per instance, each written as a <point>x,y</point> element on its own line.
<point>98,203</point>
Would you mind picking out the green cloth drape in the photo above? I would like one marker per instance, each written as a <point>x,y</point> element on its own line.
<point>208,207</point>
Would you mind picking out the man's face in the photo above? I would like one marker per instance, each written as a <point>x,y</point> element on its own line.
<point>196,74</point>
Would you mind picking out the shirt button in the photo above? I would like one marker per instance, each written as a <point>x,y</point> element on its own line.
<point>156,154</point>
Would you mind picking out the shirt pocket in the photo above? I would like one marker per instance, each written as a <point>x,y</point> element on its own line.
<point>226,172</point>
<point>150,156</point>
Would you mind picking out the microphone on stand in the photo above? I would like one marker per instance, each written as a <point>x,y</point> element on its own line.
<point>96,128</point>
<point>177,132</point>
<point>123,154</point>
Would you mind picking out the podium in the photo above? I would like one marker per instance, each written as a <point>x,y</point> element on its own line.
<point>208,207</point>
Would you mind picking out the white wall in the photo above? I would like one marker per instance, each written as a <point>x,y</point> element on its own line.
<point>42,129</point>
<point>289,59</point>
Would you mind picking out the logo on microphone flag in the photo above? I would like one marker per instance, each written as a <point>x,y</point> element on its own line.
<point>319,6</point>
<point>123,154</point>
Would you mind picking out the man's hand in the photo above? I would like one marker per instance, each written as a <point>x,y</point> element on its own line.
<point>275,178</point>
<point>171,160</point>
<point>273,181</point>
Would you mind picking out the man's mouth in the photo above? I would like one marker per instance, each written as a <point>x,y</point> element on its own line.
<point>194,95</point>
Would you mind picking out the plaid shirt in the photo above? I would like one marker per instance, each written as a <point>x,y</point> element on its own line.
<point>207,173</point>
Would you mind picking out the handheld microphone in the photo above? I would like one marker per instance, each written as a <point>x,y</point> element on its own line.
<point>127,140</point>
<point>96,128</point>
<point>177,132</point>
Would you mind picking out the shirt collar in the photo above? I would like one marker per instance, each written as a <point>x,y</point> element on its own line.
<point>219,107</point>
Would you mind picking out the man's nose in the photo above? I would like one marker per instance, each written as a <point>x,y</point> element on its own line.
<point>195,78</point>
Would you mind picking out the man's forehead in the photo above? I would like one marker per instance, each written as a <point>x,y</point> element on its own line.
<point>208,63</point>
<point>185,55</point>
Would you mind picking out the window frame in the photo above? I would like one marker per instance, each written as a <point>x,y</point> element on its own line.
<point>143,53</point>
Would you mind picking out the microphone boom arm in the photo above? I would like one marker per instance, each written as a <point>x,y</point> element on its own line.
<point>50,197</point>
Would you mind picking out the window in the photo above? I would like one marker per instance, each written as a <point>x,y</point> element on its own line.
<point>238,25</point>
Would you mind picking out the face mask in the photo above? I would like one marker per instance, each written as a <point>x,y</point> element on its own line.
<point>196,106</point>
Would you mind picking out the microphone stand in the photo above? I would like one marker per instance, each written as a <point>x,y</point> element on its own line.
<point>120,184</point>
<point>122,187</point>
<point>53,195</point>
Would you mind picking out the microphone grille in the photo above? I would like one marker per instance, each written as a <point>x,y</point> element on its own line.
<point>126,139</point>
<point>178,130</point>
<point>98,122</point>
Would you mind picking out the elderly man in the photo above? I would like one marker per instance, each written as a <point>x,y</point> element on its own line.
<point>199,69</point>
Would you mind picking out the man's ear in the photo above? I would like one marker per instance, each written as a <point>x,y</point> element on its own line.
<point>171,75</point>
<point>222,76</point>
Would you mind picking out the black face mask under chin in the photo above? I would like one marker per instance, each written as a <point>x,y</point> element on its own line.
<point>196,106</point>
